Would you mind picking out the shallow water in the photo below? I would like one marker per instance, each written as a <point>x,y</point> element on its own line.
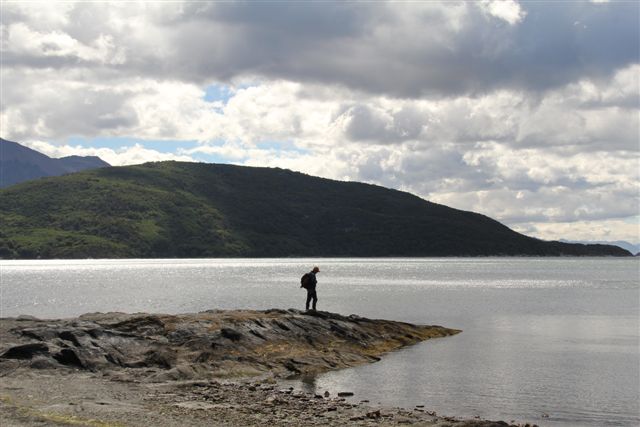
<point>552,336</point>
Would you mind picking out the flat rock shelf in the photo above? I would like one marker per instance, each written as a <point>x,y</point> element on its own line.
<point>209,368</point>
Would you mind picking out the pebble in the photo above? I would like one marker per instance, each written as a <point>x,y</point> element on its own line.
<point>373,414</point>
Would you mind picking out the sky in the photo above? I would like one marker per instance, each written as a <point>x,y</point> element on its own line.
<point>527,112</point>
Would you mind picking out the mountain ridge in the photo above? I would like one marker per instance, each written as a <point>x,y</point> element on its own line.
<point>633,248</point>
<point>178,209</point>
<point>19,163</point>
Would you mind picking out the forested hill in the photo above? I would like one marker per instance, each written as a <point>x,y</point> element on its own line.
<point>173,209</point>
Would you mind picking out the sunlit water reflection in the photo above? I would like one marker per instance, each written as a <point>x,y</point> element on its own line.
<point>541,336</point>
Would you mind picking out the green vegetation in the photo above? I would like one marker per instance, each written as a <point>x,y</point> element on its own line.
<point>174,209</point>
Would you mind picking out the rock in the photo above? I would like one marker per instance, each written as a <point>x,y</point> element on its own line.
<point>345,394</point>
<point>273,400</point>
<point>327,394</point>
<point>219,343</point>
<point>25,351</point>
<point>231,334</point>
<point>25,317</point>
<point>42,363</point>
<point>373,414</point>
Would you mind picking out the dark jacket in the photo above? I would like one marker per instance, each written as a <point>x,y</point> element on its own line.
<point>312,281</point>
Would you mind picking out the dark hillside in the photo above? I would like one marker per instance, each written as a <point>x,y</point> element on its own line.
<point>172,209</point>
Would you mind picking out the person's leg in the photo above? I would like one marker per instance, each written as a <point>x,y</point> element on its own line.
<point>315,300</point>
<point>309,295</point>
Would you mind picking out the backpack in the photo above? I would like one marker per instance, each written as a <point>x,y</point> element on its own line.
<point>305,281</point>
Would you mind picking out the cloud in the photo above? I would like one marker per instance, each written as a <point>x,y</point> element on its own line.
<point>508,10</point>
<point>24,42</point>
<point>127,155</point>
<point>609,230</point>
<point>402,50</point>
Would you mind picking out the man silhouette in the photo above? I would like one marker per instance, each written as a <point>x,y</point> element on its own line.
<point>311,288</point>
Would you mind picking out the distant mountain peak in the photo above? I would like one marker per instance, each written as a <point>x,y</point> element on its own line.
<point>19,163</point>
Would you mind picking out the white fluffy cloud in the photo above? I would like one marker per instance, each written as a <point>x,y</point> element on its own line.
<point>126,155</point>
<point>480,106</point>
<point>507,10</point>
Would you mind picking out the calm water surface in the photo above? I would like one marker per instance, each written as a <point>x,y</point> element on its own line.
<point>555,336</point>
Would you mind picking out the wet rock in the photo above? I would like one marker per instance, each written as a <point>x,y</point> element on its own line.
<point>345,394</point>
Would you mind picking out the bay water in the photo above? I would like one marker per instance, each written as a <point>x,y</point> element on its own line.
<point>552,341</point>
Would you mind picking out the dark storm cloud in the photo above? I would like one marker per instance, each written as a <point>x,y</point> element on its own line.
<point>399,49</point>
<point>366,124</point>
<point>374,47</point>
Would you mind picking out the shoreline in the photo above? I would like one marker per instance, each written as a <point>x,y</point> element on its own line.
<point>209,368</point>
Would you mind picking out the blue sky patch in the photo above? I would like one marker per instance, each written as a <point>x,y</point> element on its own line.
<point>218,92</point>
<point>281,146</point>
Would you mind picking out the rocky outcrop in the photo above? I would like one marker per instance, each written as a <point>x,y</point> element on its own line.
<point>155,369</point>
<point>157,347</point>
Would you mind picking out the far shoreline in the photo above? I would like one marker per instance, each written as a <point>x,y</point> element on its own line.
<point>341,258</point>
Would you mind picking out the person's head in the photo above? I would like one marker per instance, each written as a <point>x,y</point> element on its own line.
<point>316,270</point>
